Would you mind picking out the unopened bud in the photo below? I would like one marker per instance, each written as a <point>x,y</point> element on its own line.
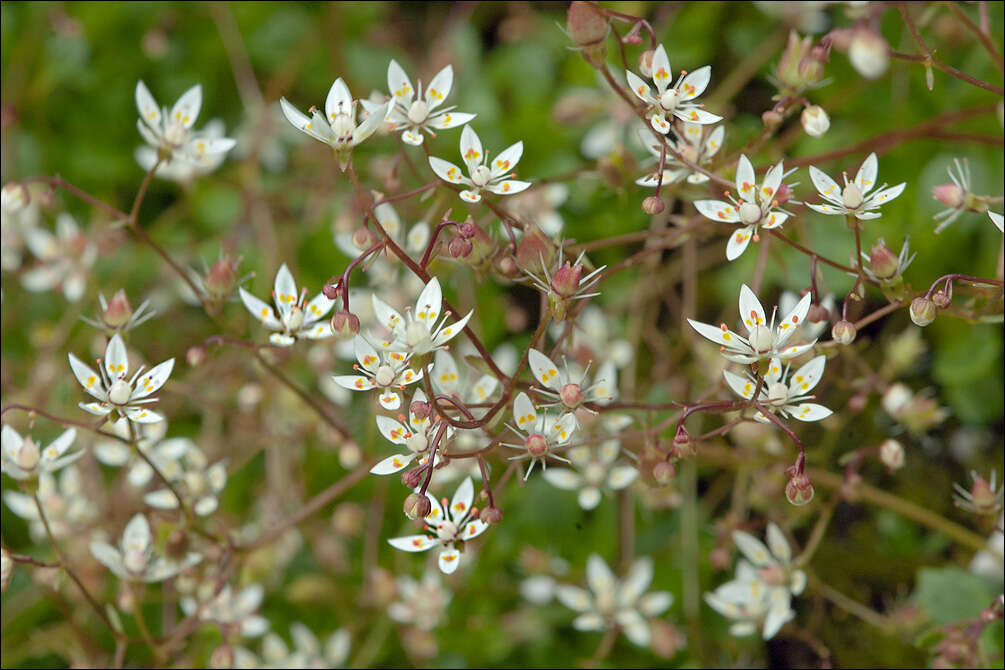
<point>27,454</point>
<point>646,63</point>
<point>664,472</point>
<point>118,311</point>
<point>891,453</point>
<point>491,515</point>
<point>344,324</point>
<point>421,409</point>
<point>949,195</point>
<point>653,205</point>
<point>682,446</point>
<point>586,25</point>
<point>177,544</point>
<point>868,53</point>
<point>844,332</point>
<point>771,119</point>
<point>882,261</point>
<point>507,266</point>
<point>411,478</point>
<point>363,238</point>
<point>221,278</point>
<point>330,289</point>
<point>815,121</point>
<point>417,506</point>
<point>196,355</point>
<point>783,194</point>
<point>799,489</point>
<point>565,281</point>
<point>942,299</point>
<point>983,496</point>
<point>923,311</point>
<point>468,229</point>
<point>817,314</point>
<point>787,71</point>
<point>535,249</point>
<point>14,197</point>
<point>460,247</point>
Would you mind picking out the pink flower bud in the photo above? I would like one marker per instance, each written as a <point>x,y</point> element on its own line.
<point>460,247</point>
<point>468,229</point>
<point>344,324</point>
<point>783,194</point>
<point>646,63</point>
<point>507,266</point>
<point>771,119</point>
<point>118,311</point>
<point>882,261</point>
<point>411,478</point>
<point>586,24</point>
<point>535,249</point>
<point>950,195</point>
<point>942,299</point>
<point>565,281</point>
<point>891,453</point>
<point>572,396</point>
<point>682,446</point>
<point>815,121</point>
<point>417,506</point>
<point>363,238</point>
<point>196,355</point>
<point>817,314</point>
<point>869,53</point>
<point>844,332</point>
<point>983,496</point>
<point>491,515</point>
<point>653,205</point>
<point>799,489</point>
<point>330,289</point>
<point>221,277</point>
<point>421,409</point>
<point>663,473</point>
<point>922,311</point>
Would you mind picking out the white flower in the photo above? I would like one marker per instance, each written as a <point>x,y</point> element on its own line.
<point>763,340</point>
<point>411,111</point>
<point>295,319</point>
<point>595,471</point>
<point>761,594</point>
<point>18,215</point>
<point>492,176</point>
<point>785,398</point>
<point>64,501</point>
<point>448,380</point>
<point>199,484</point>
<point>854,199</point>
<point>420,604</point>
<point>22,458</point>
<point>613,603</point>
<point>416,437</point>
<point>997,219</point>
<point>541,433</point>
<point>113,391</point>
<point>757,207</point>
<point>559,386</point>
<point>171,134</point>
<point>386,372</point>
<point>672,101</point>
<point>63,260</point>
<point>307,651</point>
<point>692,145</point>
<point>450,528</point>
<point>424,329</point>
<point>337,126</point>
<point>187,169</point>
<point>134,559</point>
<point>231,609</point>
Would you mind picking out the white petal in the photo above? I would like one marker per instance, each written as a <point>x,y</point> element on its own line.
<point>109,556</point>
<point>471,148</point>
<point>506,160</point>
<point>741,386</point>
<point>662,73</point>
<point>696,115</point>
<point>790,323</point>
<point>369,125</point>
<point>639,577</point>
<point>588,497</point>
<point>564,428</point>
<point>162,499</point>
<point>150,113</point>
<point>152,379</point>
<point>449,120</point>
<point>87,377</point>
<point>116,359</point>
<point>621,477</point>
<point>143,415</point>
<point>866,177</point>
<point>137,534</point>
<point>574,598</point>
<point>738,243</point>
<point>746,181</point>
<point>446,378</point>
<point>524,413</point>
<point>259,309</point>
<point>563,478</point>
<point>717,210</point>
<point>599,576</point>
<point>508,187</point>
<point>446,170</point>
<point>461,503</point>
<point>695,83</point>
<point>439,88</point>
<point>808,411</point>
<point>59,446</point>
<point>654,604</point>
<point>806,378</point>
<point>339,100</point>
<point>544,369</point>
<point>399,84</point>
<point>778,544</point>
<point>304,123</point>
<point>639,88</point>
<point>752,548</point>
<point>720,336</point>
<point>427,307</point>
<point>635,627</point>
<point>187,108</point>
<point>824,184</point>
<point>284,290</point>
<point>751,310</point>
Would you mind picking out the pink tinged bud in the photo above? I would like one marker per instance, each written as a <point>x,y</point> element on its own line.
<point>949,195</point>
<point>411,478</point>
<point>417,506</point>
<point>572,396</point>
<point>653,205</point>
<point>891,453</point>
<point>817,313</point>
<point>844,332</point>
<point>815,121</point>
<point>344,324</point>
<point>868,53</point>
<point>535,248</point>
<point>221,277</point>
<point>771,119</point>
<point>942,299</point>
<point>923,311</point>
<point>565,281</point>
<point>467,230</point>
<point>883,262</point>
<point>536,445</point>
<point>195,355</point>
<point>683,446</point>
<point>663,473</point>
<point>783,194</point>
<point>460,247</point>
<point>491,515</point>
<point>646,63</point>
<point>586,25</point>
<point>983,496</point>
<point>363,238</point>
<point>330,289</point>
<point>507,266</point>
<point>799,489</point>
<point>119,311</point>
<point>421,409</point>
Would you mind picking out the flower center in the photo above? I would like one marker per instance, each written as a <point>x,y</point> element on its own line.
<point>572,395</point>
<point>669,99</point>
<point>851,196</point>
<point>778,394</point>
<point>135,561</point>
<point>384,376</point>
<point>342,126</point>
<point>761,339</point>
<point>119,392</point>
<point>536,445</point>
<point>594,474</point>
<point>481,176</point>
<point>750,213</point>
<point>417,333</point>
<point>294,318</point>
<point>446,531</point>
<point>418,112</point>
<point>27,456</point>
<point>773,575</point>
<point>196,483</point>
<point>417,443</point>
<point>175,134</point>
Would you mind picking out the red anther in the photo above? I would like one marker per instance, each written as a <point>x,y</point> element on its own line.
<point>355,366</point>
<point>757,238</point>
<point>723,327</point>
<point>445,503</point>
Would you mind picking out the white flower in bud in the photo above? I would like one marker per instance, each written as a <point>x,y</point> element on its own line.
<point>869,53</point>
<point>815,121</point>
<point>891,453</point>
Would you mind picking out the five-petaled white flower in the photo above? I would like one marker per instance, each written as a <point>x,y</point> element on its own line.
<point>170,132</point>
<point>307,650</point>
<point>424,329</point>
<point>295,319</point>
<point>192,167</point>
<point>198,483</point>
<point>411,111</point>
<point>416,437</point>
<point>763,339</point>
<point>612,603</point>
<point>672,101</point>
<point>560,388</point>
<point>757,207</point>
<point>134,560</point>
<point>787,398</point>
<point>595,471</point>
<point>113,391</point>
<point>854,199</point>
<point>21,457</point>
<point>761,593</point>
<point>493,176</point>
<point>420,604</point>
<point>165,454</point>
<point>234,610</point>
<point>63,260</point>
<point>386,372</point>
<point>66,505</point>
<point>693,145</point>
<point>451,525</point>
<point>541,433</point>
<point>337,126</point>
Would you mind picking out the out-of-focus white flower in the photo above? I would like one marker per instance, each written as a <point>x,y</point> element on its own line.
<point>493,176</point>
<point>786,397</point>
<point>6,569</point>
<point>295,318</point>
<point>63,260</point>
<point>595,471</point>
<point>198,482</point>
<point>613,603</point>
<point>540,207</point>
<point>307,651</point>
<point>538,589</point>
<point>66,506</point>
<point>113,391</point>
<point>451,525</point>
<point>411,111</point>
<point>757,207</point>
<point>165,454</point>
<point>593,341</point>
<point>868,53</point>
<point>693,144</point>
<point>417,436</point>
<point>541,433</point>
<point>424,329</point>
<point>337,126</point>
<point>448,380</point>
<point>170,132</point>
<point>559,387</point>
<point>672,101</point>
<point>986,562</point>
<point>761,594</point>
<point>230,609</point>
<point>815,121</point>
<point>18,215</point>
<point>763,339</point>
<point>387,372</point>
<point>134,559</point>
<point>854,199</point>
<point>420,604</point>
<point>22,458</point>
<point>186,169</point>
